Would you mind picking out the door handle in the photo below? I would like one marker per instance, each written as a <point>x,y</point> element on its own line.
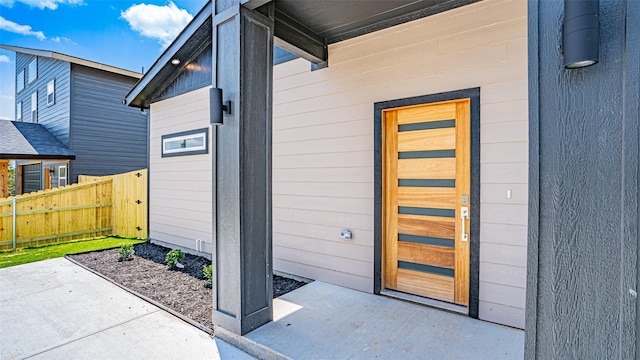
<point>464,215</point>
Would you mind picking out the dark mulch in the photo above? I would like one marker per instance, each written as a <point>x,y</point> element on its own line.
<point>180,290</point>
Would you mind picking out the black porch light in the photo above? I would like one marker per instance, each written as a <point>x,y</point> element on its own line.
<point>580,33</point>
<point>217,108</point>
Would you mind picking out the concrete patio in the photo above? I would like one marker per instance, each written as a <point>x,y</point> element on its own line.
<point>54,309</point>
<point>323,321</point>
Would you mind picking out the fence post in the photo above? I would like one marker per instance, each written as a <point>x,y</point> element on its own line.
<point>14,223</point>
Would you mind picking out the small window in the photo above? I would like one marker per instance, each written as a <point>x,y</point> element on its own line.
<point>62,176</point>
<point>20,81</point>
<point>34,107</point>
<point>19,111</point>
<point>186,143</point>
<point>51,92</point>
<point>33,70</point>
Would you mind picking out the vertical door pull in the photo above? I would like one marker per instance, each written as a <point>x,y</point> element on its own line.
<point>464,215</point>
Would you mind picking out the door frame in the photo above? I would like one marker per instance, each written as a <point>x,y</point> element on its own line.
<point>474,232</point>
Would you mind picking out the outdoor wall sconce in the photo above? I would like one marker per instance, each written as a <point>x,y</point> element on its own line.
<point>52,170</point>
<point>580,33</point>
<point>216,107</point>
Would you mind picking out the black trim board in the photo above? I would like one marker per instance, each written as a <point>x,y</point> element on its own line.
<point>474,264</point>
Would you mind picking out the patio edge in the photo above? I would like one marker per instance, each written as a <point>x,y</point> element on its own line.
<point>247,345</point>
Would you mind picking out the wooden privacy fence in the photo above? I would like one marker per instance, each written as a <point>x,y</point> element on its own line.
<point>96,206</point>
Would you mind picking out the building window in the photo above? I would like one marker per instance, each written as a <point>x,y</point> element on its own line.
<point>51,92</point>
<point>19,111</point>
<point>20,81</point>
<point>62,176</point>
<point>33,70</point>
<point>186,143</point>
<point>34,107</point>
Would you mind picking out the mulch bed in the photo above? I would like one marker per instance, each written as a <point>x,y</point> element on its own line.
<point>181,290</point>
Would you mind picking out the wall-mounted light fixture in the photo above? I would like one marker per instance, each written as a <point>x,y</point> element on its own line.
<point>52,170</point>
<point>216,107</point>
<point>175,61</point>
<point>580,33</point>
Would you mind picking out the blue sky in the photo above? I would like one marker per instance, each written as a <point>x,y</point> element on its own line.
<point>123,33</point>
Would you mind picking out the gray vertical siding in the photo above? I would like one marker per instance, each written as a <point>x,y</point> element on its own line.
<point>54,117</point>
<point>583,226</point>
<point>107,136</point>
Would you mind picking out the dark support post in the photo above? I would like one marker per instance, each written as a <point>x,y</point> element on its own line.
<point>242,66</point>
<point>582,269</point>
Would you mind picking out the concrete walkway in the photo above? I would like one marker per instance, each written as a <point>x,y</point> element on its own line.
<point>56,310</point>
<point>322,321</point>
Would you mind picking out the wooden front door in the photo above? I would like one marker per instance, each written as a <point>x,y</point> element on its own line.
<point>426,188</point>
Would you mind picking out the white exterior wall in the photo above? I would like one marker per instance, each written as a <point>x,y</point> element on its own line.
<point>180,186</point>
<point>323,144</point>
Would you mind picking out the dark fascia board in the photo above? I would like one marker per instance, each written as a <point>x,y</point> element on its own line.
<point>253,4</point>
<point>151,80</point>
<point>36,157</point>
<point>297,39</point>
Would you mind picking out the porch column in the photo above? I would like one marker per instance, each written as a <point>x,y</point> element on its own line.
<point>582,270</point>
<point>242,259</point>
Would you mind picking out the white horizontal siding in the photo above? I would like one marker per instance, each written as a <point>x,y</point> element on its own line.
<point>323,144</point>
<point>180,186</point>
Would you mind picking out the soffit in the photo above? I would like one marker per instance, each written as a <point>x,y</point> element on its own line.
<point>337,20</point>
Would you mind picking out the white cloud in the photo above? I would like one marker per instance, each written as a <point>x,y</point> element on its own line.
<point>42,4</point>
<point>163,23</point>
<point>10,26</point>
<point>59,39</point>
<point>4,59</point>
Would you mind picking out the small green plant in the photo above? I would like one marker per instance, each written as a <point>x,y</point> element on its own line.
<point>173,259</point>
<point>207,271</point>
<point>126,252</point>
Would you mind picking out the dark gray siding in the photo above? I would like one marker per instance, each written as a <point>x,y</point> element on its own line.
<point>54,117</point>
<point>582,278</point>
<point>107,136</point>
<point>195,75</point>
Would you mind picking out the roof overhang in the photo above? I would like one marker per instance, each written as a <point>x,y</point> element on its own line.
<point>338,20</point>
<point>72,59</point>
<point>302,27</point>
<point>29,141</point>
<point>184,47</point>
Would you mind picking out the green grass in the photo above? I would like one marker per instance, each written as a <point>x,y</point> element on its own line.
<point>38,253</point>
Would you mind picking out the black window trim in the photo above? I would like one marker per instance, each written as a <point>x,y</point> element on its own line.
<point>204,131</point>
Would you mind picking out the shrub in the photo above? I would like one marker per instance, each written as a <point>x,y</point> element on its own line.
<point>207,271</point>
<point>173,258</point>
<point>126,252</point>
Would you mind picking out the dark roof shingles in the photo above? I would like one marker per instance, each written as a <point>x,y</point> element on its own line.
<point>21,140</point>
